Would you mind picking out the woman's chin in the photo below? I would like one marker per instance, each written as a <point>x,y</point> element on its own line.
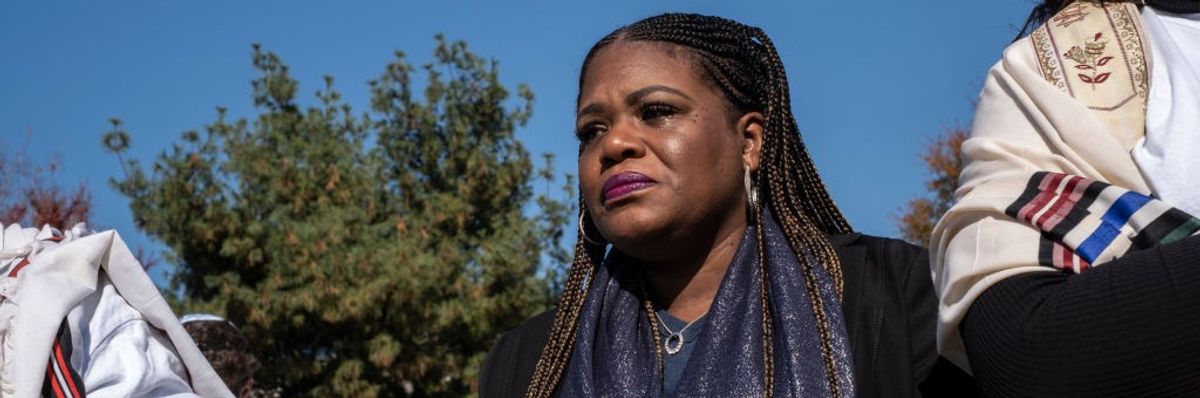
<point>627,235</point>
<point>629,220</point>
<point>637,237</point>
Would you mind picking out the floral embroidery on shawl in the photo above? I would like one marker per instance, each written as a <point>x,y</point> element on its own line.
<point>1085,29</point>
<point>1091,59</point>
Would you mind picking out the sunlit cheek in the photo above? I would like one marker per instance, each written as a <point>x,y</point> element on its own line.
<point>674,148</point>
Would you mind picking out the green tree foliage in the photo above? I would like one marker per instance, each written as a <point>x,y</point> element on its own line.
<point>943,158</point>
<point>365,254</point>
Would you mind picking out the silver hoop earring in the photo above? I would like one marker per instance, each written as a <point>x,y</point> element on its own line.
<point>583,232</point>
<point>751,190</point>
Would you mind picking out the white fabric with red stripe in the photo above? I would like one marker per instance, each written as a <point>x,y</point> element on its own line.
<point>124,340</point>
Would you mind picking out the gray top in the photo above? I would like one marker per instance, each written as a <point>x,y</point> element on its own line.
<point>673,364</point>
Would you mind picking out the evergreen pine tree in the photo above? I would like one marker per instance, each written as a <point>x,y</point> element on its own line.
<point>363,254</point>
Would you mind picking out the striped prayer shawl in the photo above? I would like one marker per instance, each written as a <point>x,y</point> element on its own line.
<point>1049,183</point>
<point>1083,220</point>
<point>62,380</point>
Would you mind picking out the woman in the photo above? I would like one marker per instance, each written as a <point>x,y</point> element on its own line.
<point>1068,265</point>
<point>731,272</point>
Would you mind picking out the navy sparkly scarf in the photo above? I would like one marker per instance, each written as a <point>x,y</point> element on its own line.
<point>614,354</point>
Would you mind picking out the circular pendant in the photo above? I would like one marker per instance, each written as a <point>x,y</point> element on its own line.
<point>673,343</point>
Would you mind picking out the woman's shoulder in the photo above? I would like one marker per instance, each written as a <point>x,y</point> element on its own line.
<point>885,273</point>
<point>875,251</point>
<point>890,313</point>
<point>509,365</point>
<point>533,330</point>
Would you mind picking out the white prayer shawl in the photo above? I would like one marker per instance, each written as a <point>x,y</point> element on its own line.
<point>126,340</point>
<point>1069,102</point>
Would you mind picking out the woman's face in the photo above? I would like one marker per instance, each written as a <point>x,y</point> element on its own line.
<point>662,160</point>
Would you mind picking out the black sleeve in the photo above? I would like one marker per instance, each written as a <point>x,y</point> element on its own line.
<point>936,377</point>
<point>922,314</point>
<point>1127,328</point>
<point>495,378</point>
<point>509,365</point>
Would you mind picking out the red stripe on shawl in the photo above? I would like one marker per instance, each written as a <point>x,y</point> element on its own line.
<point>1046,187</point>
<point>20,266</point>
<point>1068,257</point>
<point>58,392</point>
<point>1061,261</point>
<point>66,370</point>
<point>1062,204</point>
<point>1081,188</point>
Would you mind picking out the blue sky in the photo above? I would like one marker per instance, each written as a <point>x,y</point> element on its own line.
<point>871,84</point>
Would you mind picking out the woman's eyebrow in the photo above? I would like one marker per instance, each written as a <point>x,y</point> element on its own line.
<point>636,96</point>
<point>591,108</point>
<point>631,99</point>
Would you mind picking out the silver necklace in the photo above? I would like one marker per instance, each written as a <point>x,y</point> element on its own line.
<point>674,341</point>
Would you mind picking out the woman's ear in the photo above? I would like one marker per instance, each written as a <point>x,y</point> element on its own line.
<point>750,126</point>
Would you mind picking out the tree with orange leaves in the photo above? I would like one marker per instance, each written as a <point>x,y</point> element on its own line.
<point>944,159</point>
<point>28,197</point>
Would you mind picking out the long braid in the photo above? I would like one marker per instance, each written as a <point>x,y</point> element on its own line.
<point>559,344</point>
<point>743,63</point>
<point>799,228</point>
<point>654,331</point>
<point>764,299</point>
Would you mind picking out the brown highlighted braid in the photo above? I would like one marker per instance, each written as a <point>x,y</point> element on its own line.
<point>742,62</point>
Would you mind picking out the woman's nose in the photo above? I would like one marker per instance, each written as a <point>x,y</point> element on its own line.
<point>623,141</point>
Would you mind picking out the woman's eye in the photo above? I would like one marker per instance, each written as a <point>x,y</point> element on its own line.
<point>589,132</point>
<point>656,111</point>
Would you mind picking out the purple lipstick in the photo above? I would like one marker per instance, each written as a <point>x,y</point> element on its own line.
<point>625,183</point>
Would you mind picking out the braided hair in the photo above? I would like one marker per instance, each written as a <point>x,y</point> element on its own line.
<point>742,62</point>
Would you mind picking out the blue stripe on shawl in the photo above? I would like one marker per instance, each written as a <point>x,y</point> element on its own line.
<point>1112,221</point>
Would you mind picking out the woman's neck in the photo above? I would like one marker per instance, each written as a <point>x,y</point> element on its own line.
<point>686,287</point>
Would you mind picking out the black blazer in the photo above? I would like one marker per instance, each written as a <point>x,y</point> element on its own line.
<point>890,311</point>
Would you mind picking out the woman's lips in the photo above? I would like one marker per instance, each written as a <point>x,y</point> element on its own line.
<point>625,183</point>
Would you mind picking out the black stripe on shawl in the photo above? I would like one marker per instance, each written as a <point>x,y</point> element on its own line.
<point>1162,226</point>
<point>1031,191</point>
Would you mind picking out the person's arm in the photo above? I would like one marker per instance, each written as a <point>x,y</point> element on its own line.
<point>1127,328</point>
<point>1023,125</point>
